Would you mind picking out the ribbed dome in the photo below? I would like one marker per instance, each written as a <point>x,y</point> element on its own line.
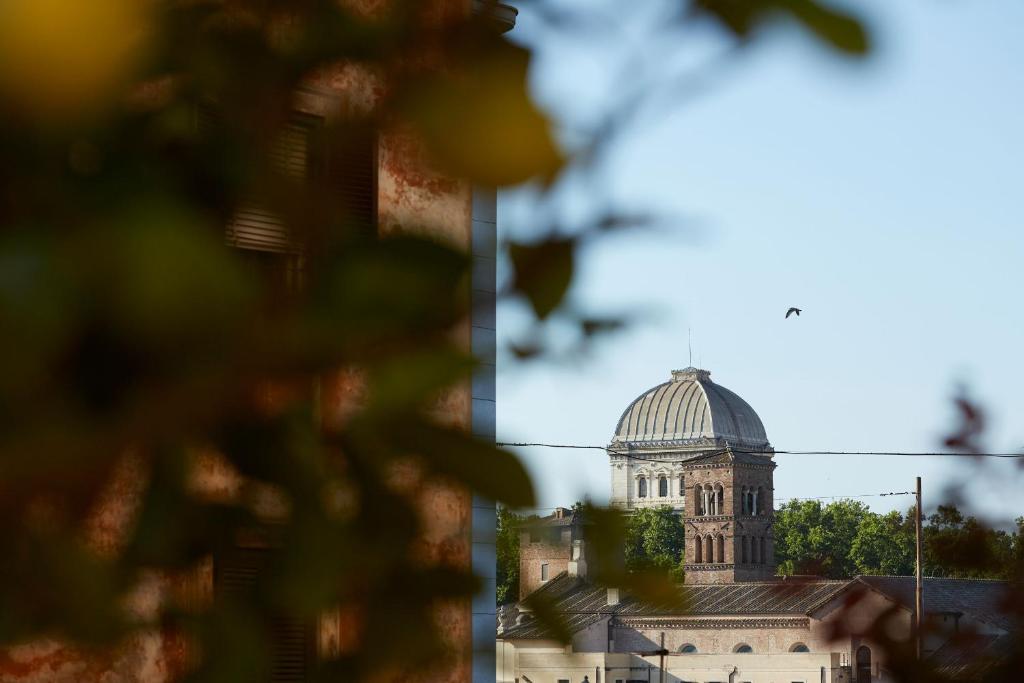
<point>690,407</point>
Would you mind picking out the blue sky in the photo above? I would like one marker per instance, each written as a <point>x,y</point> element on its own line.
<point>883,198</point>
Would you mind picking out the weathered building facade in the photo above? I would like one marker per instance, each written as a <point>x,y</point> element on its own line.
<point>699,448</point>
<point>393,187</point>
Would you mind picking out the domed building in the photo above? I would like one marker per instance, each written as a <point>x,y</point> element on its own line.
<point>698,447</point>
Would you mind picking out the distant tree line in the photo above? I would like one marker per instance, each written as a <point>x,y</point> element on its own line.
<point>845,538</point>
<point>838,540</point>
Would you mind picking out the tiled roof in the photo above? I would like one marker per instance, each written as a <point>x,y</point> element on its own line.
<point>977,598</point>
<point>775,597</point>
<point>582,604</point>
<point>568,518</point>
<point>972,659</point>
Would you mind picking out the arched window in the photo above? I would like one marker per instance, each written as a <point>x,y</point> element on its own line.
<point>743,649</point>
<point>698,501</point>
<point>663,486</point>
<point>698,550</point>
<point>799,647</point>
<point>761,555</point>
<point>863,664</point>
<point>719,500</point>
<point>760,501</point>
<point>720,551</point>
<point>641,487</point>
<point>709,549</point>
<point>745,549</point>
<point>682,487</point>
<point>688,649</point>
<point>743,500</point>
<point>709,500</point>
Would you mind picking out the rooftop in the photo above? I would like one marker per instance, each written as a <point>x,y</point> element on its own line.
<point>582,603</point>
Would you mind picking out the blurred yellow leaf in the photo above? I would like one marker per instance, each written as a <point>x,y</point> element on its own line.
<point>479,122</point>
<point>63,58</point>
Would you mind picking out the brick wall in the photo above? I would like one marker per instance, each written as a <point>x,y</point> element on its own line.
<point>550,545</point>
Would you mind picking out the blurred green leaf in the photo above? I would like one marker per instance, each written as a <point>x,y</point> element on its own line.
<point>595,326</point>
<point>836,28</point>
<point>543,272</point>
<point>408,381</point>
<point>58,586</point>
<point>398,288</point>
<point>492,472</point>
<point>842,31</point>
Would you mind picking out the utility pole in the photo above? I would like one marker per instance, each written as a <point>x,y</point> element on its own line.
<point>663,657</point>
<point>918,592</point>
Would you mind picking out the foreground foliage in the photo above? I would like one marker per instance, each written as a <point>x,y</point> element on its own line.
<point>137,348</point>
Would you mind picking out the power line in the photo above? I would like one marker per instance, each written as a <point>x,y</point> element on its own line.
<point>919,454</point>
<point>610,451</point>
<point>852,495</point>
<point>843,497</point>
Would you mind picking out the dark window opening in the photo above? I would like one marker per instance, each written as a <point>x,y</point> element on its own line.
<point>292,641</point>
<point>863,664</point>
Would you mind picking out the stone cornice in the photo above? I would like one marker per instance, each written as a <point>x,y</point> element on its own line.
<point>694,444</point>
<point>721,566</point>
<point>675,460</point>
<point>709,566</point>
<point>713,622</point>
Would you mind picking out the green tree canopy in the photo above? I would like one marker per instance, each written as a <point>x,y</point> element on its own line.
<point>815,539</point>
<point>844,538</point>
<point>655,540</point>
<point>962,547</point>
<point>884,545</point>
<point>508,556</point>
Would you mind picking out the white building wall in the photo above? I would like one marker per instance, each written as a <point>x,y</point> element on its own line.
<point>717,641</point>
<point>624,493</point>
<point>543,665</point>
<point>621,475</point>
<point>594,638</point>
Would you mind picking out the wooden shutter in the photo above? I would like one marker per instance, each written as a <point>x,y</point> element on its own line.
<point>352,170</point>
<point>291,650</point>
<point>255,226</point>
<point>291,640</point>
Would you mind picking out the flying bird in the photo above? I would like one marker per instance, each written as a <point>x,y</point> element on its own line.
<point>792,310</point>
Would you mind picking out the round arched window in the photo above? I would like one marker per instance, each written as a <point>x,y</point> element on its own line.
<point>688,649</point>
<point>743,649</point>
<point>799,647</point>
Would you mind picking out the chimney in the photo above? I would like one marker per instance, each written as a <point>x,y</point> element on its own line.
<point>577,563</point>
<point>613,597</point>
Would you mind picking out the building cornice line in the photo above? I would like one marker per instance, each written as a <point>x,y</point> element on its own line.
<point>714,622</point>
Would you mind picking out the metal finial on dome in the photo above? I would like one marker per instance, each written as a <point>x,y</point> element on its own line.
<point>690,373</point>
